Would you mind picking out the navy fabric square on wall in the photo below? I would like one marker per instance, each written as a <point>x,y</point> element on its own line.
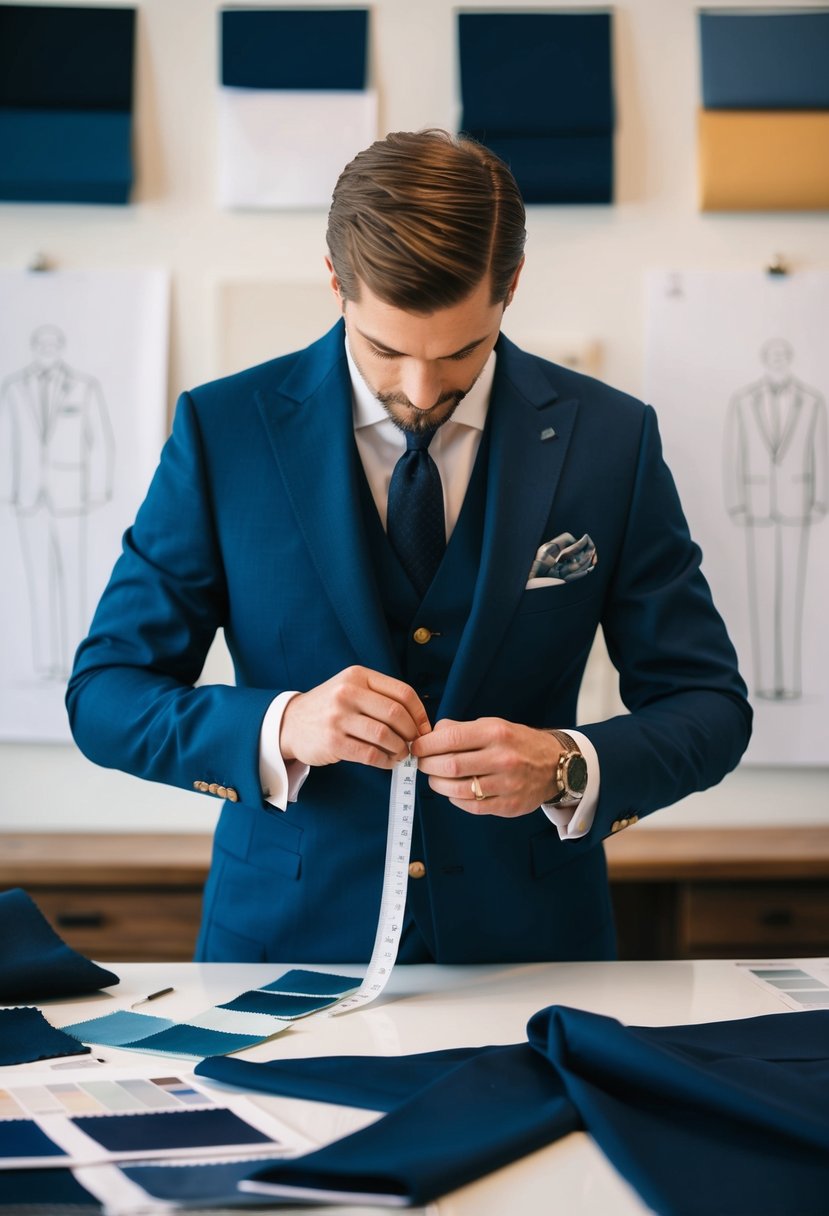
<point>294,48</point>
<point>66,103</point>
<point>537,88</point>
<point>764,61</point>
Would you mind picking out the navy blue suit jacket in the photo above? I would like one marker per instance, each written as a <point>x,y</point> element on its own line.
<point>254,523</point>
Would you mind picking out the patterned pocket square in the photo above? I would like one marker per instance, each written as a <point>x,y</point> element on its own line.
<point>562,560</point>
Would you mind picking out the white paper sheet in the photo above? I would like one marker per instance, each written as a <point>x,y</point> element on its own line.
<point>737,367</point>
<point>83,380</point>
<point>285,148</point>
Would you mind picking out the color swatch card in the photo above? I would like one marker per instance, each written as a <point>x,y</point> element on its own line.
<point>70,1123</point>
<point>244,1021</point>
<point>799,984</point>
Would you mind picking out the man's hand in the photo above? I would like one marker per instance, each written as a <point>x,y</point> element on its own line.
<point>359,715</point>
<point>512,765</point>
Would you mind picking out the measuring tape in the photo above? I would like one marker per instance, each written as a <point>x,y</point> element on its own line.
<point>395,881</point>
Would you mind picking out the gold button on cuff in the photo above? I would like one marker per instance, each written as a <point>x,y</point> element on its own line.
<point>201,786</point>
<point>615,826</point>
<point>213,787</point>
<point>422,635</point>
<point>416,869</point>
<point>232,796</point>
<point>222,791</point>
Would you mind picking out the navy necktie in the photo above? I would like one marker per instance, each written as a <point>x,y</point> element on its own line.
<point>415,521</point>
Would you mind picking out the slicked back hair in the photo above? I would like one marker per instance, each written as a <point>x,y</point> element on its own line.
<point>422,218</point>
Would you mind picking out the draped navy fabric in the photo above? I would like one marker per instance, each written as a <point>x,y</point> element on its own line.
<point>66,103</point>
<point>765,61</point>
<point>537,88</point>
<point>294,49</point>
<point>25,1036</point>
<point>35,963</point>
<point>726,1117</point>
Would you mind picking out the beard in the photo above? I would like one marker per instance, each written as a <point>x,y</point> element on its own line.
<point>412,421</point>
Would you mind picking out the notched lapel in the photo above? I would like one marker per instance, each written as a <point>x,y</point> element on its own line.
<point>525,464</point>
<point>308,418</point>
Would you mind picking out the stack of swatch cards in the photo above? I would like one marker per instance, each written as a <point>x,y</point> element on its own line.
<point>115,1141</point>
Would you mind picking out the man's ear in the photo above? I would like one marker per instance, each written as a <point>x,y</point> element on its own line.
<point>335,284</point>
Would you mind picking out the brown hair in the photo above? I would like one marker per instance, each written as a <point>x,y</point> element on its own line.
<point>422,217</point>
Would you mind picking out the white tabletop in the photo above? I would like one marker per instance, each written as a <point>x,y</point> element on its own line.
<point>425,1008</point>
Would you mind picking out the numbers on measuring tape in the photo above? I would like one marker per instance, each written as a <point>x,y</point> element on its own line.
<point>393,897</point>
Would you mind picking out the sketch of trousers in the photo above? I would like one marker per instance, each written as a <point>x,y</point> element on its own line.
<point>57,449</point>
<point>776,489</point>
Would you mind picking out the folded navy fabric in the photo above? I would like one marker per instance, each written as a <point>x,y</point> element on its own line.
<point>727,1118</point>
<point>25,1035</point>
<point>35,963</point>
<point>755,60</point>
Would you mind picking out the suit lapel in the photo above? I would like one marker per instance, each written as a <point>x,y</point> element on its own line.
<point>309,424</point>
<point>525,464</point>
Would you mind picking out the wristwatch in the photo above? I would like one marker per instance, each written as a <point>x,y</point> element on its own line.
<point>570,772</point>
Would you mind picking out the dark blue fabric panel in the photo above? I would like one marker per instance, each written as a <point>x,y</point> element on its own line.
<point>35,963</point>
<point>66,57</point>
<point>294,48</point>
<point>765,61</point>
<point>208,1183</point>
<point>536,73</point>
<point>25,1035</point>
<point>61,156</point>
<point>557,168</point>
<point>45,1191</point>
<point>729,1117</point>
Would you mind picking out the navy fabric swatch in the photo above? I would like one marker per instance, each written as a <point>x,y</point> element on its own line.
<point>213,1185</point>
<point>536,73</point>
<point>765,61</point>
<point>294,49</point>
<point>66,77</point>
<point>726,1117</point>
<point>557,168</point>
<point>169,1129</point>
<point>23,1138</point>
<point>299,982</point>
<point>25,1035</point>
<point>45,1191</point>
<point>35,963</point>
<point>56,57</point>
<point>537,88</point>
<point>277,1004</point>
<point>63,156</point>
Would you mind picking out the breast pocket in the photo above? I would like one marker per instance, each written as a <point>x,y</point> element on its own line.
<point>560,595</point>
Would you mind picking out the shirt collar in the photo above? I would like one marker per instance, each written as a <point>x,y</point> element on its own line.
<point>472,411</point>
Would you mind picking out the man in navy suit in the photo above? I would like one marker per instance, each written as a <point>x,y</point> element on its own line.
<point>269,517</point>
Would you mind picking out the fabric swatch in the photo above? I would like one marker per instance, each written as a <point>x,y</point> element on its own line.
<point>764,61</point>
<point>537,88</point>
<point>764,160</point>
<point>23,1138</point>
<point>299,982</point>
<point>209,1184</point>
<point>154,1131</point>
<point>294,106</point>
<point>66,119</point>
<point>35,963</point>
<point>25,1035</point>
<point>45,1191</point>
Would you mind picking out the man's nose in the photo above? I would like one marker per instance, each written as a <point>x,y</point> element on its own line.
<point>421,384</point>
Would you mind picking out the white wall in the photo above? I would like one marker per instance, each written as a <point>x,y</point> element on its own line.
<point>583,278</point>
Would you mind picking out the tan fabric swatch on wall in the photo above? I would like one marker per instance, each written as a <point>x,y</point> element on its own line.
<point>764,160</point>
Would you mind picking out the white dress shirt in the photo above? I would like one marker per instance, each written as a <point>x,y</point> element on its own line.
<point>380,444</point>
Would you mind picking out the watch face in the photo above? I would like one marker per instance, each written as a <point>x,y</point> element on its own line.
<point>575,775</point>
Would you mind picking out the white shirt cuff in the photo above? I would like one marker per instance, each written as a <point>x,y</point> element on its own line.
<point>280,781</point>
<point>573,822</point>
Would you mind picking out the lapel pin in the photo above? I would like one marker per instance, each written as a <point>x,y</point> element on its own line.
<point>548,433</point>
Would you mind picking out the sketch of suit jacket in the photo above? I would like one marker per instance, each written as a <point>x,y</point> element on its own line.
<point>61,446</point>
<point>776,454</point>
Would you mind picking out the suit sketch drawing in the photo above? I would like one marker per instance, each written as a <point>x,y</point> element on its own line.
<point>58,458</point>
<point>776,489</point>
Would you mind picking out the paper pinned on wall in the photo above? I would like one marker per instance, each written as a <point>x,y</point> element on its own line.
<point>283,149</point>
<point>83,396</point>
<point>737,367</point>
<point>294,106</point>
